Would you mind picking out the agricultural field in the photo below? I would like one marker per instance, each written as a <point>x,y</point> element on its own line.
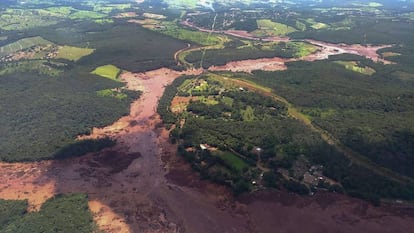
<point>316,25</point>
<point>107,71</point>
<point>108,8</point>
<point>72,53</point>
<point>232,160</point>
<point>270,28</point>
<point>21,19</point>
<point>23,44</point>
<point>354,66</point>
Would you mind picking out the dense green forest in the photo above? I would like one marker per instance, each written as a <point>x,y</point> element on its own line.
<point>44,114</point>
<point>47,106</point>
<point>234,123</point>
<point>373,115</point>
<point>62,213</point>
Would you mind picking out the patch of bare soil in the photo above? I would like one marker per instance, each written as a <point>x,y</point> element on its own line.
<point>180,103</point>
<point>126,15</point>
<point>325,50</point>
<point>368,51</point>
<point>274,64</point>
<point>266,64</point>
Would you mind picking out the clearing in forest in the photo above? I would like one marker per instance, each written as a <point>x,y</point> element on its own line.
<point>356,67</point>
<point>270,28</point>
<point>107,71</point>
<point>72,53</point>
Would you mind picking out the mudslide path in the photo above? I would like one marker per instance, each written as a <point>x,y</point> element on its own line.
<point>126,184</point>
<point>139,185</point>
<point>325,50</point>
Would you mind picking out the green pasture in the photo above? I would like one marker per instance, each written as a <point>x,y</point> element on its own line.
<point>23,44</point>
<point>107,71</point>
<point>73,53</point>
<point>231,160</point>
<point>21,19</point>
<point>270,28</point>
<point>354,66</point>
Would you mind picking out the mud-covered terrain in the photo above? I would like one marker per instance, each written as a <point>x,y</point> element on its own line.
<point>126,184</point>
<point>139,185</point>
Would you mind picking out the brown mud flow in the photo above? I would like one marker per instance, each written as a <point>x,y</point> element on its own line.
<point>139,185</point>
<point>325,50</point>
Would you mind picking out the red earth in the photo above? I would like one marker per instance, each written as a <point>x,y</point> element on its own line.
<point>140,185</point>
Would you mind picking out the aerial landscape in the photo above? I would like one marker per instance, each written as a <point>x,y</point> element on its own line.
<point>206,116</point>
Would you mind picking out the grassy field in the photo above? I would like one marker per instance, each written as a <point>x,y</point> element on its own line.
<point>232,160</point>
<point>20,19</point>
<point>63,213</point>
<point>23,44</point>
<point>72,53</point>
<point>354,66</point>
<point>107,71</point>
<point>390,54</point>
<point>302,49</point>
<point>108,8</point>
<point>61,11</point>
<point>270,28</point>
<point>316,25</point>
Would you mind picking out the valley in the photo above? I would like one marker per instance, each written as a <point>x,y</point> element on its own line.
<point>183,116</point>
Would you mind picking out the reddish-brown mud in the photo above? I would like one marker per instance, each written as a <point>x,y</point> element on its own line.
<point>140,185</point>
<point>273,212</point>
<point>266,64</point>
<point>324,51</point>
<point>126,184</point>
<point>274,64</point>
